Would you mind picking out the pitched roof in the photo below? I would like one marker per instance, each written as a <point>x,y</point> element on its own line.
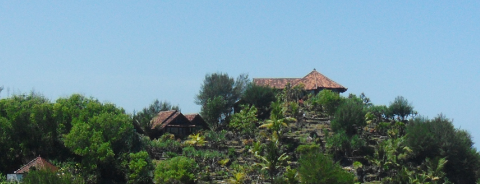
<point>190,117</point>
<point>38,163</point>
<point>314,80</point>
<point>163,118</point>
<point>278,83</point>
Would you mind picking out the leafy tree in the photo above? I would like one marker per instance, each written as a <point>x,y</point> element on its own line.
<point>176,170</point>
<point>401,108</point>
<point>316,168</point>
<point>142,119</point>
<point>245,121</point>
<point>261,97</point>
<point>218,85</point>
<point>99,134</point>
<point>437,138</point>
<point>350,117</point>
<point>27,130</point>
<point>212,111</point>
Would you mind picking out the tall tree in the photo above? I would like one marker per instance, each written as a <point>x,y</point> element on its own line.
<point>220,85</point>
<point>261,97</point>
<point>97,133</point>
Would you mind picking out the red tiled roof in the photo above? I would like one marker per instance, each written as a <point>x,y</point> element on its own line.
<point>164,118</point>
<point>314,80</point>
<point>278,83</point>
<point>38,163</point>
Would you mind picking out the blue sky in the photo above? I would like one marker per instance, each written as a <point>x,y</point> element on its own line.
<point>131,53</point>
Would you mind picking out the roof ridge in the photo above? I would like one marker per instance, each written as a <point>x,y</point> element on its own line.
<point>174,112</point>
<point>32,161</point>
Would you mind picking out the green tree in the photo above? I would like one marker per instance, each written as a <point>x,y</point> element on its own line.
<point>218,94</point>
<point>401,108</point>
<point>99,134</point>
<point>28,130</point>
<point>438,138</point>
<point>261,97</point>
<point>350,117</point>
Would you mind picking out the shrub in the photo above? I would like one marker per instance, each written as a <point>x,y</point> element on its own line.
<point>140,167</point>
<point>176,170</point>
<point>45,176</point>
<point>245,121</point>
<point>341,143</point>
<point>320,169</point>
<point>329,101</point>
<point>231,152</point>
<point>350,116</point>
<point>311,148</point>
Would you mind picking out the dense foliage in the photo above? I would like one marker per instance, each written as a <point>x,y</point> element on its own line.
<point>322,138</point>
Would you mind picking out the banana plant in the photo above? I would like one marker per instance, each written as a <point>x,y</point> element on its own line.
<point>196,140</point>
<point>272,160</point>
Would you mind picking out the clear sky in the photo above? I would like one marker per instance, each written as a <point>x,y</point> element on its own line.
<point>132,52</point>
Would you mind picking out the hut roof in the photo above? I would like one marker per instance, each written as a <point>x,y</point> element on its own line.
<point>163,118</point>
<point>38,163</point>
<point>312,81</point>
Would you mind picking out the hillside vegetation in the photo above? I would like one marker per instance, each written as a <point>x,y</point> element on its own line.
<point>281,137</point>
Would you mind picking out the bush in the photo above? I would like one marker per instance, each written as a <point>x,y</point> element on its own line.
<point>310,148</point>
<point>341,143</point>
<point>329,101</point>
<point>350,116</point>
<point>45,176</point>
<point>245,121</point>
<point>140,167</point>
<point>320,169</point>
<point>176,170</point>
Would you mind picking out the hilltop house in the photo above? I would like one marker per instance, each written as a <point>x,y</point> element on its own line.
<point>314,82</point>
<point>37,163</point>
<point>176,123</point>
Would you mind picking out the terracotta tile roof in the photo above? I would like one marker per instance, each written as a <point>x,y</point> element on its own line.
<point>313,81</point>
<point>38,163</point>
<point>278,83</point>
<point>163,118</point>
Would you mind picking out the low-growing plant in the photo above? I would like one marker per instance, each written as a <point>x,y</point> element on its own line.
<point>176,170</point>
<point>320,169</point>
